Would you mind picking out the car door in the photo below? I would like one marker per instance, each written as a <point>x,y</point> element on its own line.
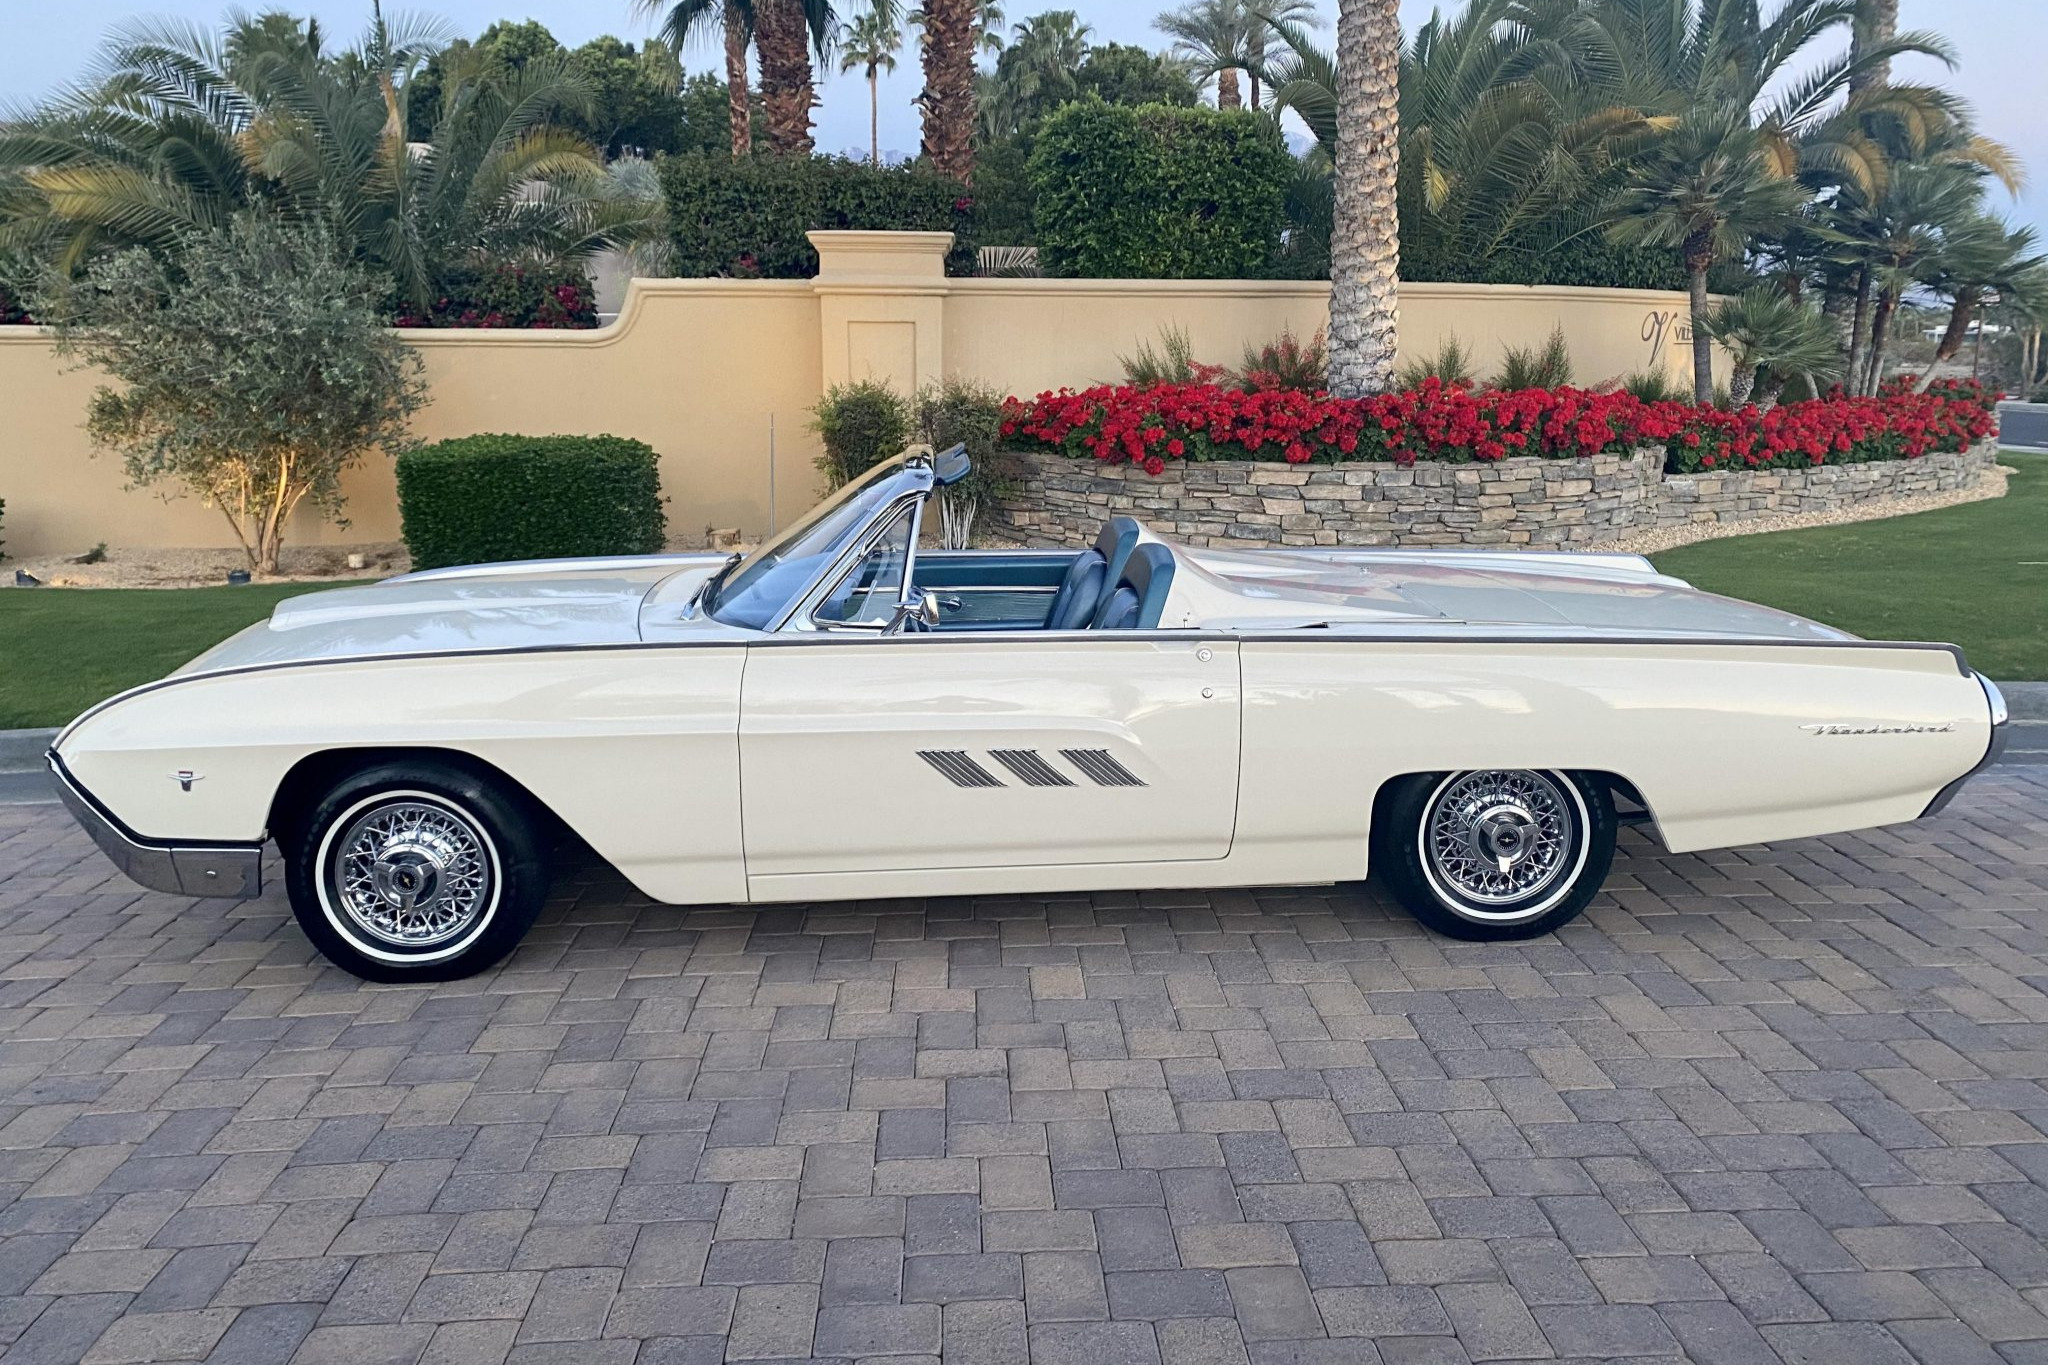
<point>927,752</point>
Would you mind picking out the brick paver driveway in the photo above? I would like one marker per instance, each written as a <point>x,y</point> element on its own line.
<point>1778,1103</point>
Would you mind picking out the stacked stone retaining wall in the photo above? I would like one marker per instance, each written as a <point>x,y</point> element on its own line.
<point>1053,500</point>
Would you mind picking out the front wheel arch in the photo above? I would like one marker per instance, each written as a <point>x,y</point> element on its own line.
<point>307,780</point>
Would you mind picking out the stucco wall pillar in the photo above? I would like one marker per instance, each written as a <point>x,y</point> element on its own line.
<point>882,306</point>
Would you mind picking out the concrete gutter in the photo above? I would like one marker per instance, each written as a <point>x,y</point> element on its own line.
<point>21,751</point>
<point>2028,702</point>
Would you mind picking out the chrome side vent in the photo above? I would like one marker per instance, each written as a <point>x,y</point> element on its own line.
<point>1102,769</point>
<point>959,769</point>
<point>1030,769</point>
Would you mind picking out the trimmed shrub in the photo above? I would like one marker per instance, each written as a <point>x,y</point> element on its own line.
<point>861,424</point>
<point>1586,262</point>
<point>746,217</point>
<point>1159,192</point>
<point>506,296</point>
<point>481,499</point>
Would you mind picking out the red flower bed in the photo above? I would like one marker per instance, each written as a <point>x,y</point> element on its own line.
<point>1147,427</point>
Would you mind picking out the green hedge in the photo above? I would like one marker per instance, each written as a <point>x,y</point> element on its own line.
<point>1159,192</point>
<point>1584,262</point>
<point>747,217</point>
<point>481,499</point>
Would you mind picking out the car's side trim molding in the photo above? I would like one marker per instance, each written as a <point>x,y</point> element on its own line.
<point>944,639</point>
<point>181,867</point>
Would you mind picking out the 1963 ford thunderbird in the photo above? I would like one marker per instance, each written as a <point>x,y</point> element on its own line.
<point>845,713</point>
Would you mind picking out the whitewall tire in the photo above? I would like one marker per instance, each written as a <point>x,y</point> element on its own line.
<point>416,871</point>
<point>1499,853</point>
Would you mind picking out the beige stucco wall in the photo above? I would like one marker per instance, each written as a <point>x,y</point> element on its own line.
<point>1027,335</point>
<point>701,369</point>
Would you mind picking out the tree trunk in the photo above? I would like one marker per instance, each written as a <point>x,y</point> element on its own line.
<point>1365,236</point>
<point>1740,381</point>
<point>1877,25</point>
<point>874,120</point>
<point>1766,395</point>
<point>1697,260</point>
<point>1252,80</point>
<point>1227,96</point>
<point>948,99</point>
<point>1952,336</point>
<point>1880,336</point>
<point>782,42</point>
<point>738,108</point>
<point>1859,315</point>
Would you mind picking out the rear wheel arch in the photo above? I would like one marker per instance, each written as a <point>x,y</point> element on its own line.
<point>1622,791</point>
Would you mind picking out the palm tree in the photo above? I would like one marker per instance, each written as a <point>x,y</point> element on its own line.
<point>1365,236</point>
<point>180,130</point>
<point>1706,189</point>
<point>787,93</point>
<point>988,25</point>
<point>1980,258</point>
<point>1036,73</point>
<point>686,20</point>
<point>952,33</point>
<point>1223,37</point>
<point>1877,23</point>
<point>1770,337</point>
<point>870,42</point>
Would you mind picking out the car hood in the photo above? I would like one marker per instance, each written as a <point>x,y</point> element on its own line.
<point>1541,593</point>
<point>554,604</point>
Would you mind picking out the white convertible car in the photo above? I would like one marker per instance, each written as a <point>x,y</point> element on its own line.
<point>844,713</point>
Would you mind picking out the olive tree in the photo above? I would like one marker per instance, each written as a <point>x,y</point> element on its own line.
<point>250,365</point>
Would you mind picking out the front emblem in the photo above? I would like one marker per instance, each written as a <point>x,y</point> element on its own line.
<point>185,777</point>
<point>1854,728</point>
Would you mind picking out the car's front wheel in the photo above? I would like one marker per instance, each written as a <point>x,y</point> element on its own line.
<point>416,871</point>
<point>1495,853</point>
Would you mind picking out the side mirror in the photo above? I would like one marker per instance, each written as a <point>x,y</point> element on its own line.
<point>921,613</point>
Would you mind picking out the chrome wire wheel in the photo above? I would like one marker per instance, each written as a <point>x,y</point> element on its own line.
<point>1502,844</point>
<point>411,873</point>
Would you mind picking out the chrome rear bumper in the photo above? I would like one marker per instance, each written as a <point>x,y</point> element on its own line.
<point>183,869</point>
<point>2001,731</point>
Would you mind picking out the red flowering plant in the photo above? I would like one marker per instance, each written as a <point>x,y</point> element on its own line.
<point>507,296</point>
<point>1148,426</point>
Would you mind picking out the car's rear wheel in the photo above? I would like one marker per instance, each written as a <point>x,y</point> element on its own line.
<point>416,871</point>
<point>1495,853</point>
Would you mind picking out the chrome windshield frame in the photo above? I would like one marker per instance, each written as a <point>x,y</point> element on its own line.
<point>912,484</point>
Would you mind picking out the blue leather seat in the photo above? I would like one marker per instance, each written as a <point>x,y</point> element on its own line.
<point>1091,576</point>
<point>1139,597</point>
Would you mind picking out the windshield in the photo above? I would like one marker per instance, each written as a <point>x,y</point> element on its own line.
<point>760,585</point>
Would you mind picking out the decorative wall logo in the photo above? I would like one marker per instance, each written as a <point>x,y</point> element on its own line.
<point>1834,727</point>
<point>1662,326</point>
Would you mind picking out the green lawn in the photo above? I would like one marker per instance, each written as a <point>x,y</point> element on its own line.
<point>66,648</point>
<point>1975,575</point>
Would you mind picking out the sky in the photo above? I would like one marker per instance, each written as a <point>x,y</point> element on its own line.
<point>45,44</point>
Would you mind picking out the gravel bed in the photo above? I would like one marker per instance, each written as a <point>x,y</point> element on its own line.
<point>178,567</point>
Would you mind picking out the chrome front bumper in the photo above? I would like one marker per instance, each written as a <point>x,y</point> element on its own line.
<point>2001,731</point>
<point>183,869</point>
